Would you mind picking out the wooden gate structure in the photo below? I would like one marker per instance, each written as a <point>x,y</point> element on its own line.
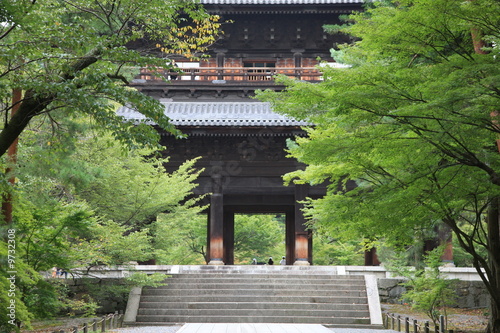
<point>241,141</point>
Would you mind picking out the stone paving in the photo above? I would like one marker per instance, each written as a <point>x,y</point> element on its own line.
<point>245,328</point>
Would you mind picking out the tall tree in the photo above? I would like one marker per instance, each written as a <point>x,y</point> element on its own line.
<point>76,55</point>
<point>82,203</point>
<point>414,122</point>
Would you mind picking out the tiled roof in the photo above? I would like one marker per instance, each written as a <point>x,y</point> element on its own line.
<point>279,2</point>
<point>218,114</point>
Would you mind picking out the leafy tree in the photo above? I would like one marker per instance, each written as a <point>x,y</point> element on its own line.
<point>330,251</point>
<point>427,289</point>
<point>76,56</point>
<point>257,236</point>
<point>187,246</point>
<point>57,222</point>
<point>414,122</point>
<point>13,311</point>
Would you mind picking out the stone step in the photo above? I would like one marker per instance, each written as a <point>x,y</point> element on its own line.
<point>266,295</point>
<point>255,299</point>
<point>253,305</point>
<point>256,292</point>
<point>259,286</point>
<point>263,281</point>
<point>269,276</point>
<point>252,319</point>
<point>255,312</point>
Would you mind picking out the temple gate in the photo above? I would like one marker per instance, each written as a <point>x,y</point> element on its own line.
<point>241,141</point>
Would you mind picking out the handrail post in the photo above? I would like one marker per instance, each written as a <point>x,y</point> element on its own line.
<point>103,324</point>
<point>426,327</point>
<point>407,325</point>
<point>85,328</point>
<point>94,326</point>
<point>399,323</point>
<point>441,324</point>
<point>415,326</point>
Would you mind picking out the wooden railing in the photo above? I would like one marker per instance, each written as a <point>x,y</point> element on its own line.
<point>231,74</point>
<point>110,321</point>
<point>408,325</point>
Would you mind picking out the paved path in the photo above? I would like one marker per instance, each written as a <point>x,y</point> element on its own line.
<point>253,328</point>
<point>245,328</point>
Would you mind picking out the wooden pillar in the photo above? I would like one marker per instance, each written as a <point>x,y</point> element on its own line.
<point>301,234</point>
<point>207,255</point>
<point>216,241</point>
<point>371,258</point>
<point>445,239</point>
<point>220,57</point>
<point>310,246</point>
<point>297,56</point>
<point>290,236</point>
<point>228,238</point>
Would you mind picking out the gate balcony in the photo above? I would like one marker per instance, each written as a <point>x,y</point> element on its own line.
<point>229,74</point>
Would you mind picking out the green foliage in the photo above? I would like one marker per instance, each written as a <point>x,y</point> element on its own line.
<point>407,135</point>
<point>418,141</point>
<point>13,311</point>
<point>85,306</point>
<point>141,279</point>
<point>188,244</point>
<point>258,236</point>
<point>427,289</point>
<point>55,225</point>
<point>75,58</point>
<point>46,299</point>
<point>329,251</point>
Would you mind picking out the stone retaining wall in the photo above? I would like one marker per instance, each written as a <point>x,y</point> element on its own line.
<point>470,294</point>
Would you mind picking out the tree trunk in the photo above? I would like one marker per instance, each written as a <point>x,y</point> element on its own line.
<point>35,103</point>
<point>11,162</point>
<point>494,322</point>
<point>494,265</point>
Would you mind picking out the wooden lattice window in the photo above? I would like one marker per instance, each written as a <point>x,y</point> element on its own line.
<point>261,70</point>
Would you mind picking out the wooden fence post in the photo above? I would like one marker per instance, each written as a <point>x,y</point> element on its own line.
<point>94,326</point>
<point>441,324</point>
<point>103,324</point>
<point>399,323</point>
<point>85,328</point>
<point>415,326</point>
<point>426,327</point>
<point>407,325</point>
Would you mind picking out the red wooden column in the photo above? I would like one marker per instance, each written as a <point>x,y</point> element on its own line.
<point>216,223</point>
<point>371,258</point>
<point>301,234</point>
<point>216,239</point>
<point>445,238</point>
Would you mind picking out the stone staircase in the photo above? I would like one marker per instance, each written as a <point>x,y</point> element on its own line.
<point>263,295</point>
